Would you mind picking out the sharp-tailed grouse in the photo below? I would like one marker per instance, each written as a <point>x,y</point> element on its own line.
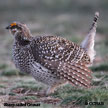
<point>53,60</point>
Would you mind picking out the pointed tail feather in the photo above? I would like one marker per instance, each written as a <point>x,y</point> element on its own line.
<point>94,24</point>
<point>88,42</point>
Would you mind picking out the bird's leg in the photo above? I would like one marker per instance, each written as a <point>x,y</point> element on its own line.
<point>47,92</point>
<point>51,89</point>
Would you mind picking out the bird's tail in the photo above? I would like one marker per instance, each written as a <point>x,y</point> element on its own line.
<point>88,42</point>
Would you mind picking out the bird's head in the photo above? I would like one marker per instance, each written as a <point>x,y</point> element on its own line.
<point>17,27</point>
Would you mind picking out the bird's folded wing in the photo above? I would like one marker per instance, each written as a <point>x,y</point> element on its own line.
<point>58,49</point>
<point>77,74</point>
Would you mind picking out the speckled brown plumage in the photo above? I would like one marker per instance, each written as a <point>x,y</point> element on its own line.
<point>51,60</point>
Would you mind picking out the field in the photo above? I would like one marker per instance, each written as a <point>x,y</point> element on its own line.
<point>70,19</point>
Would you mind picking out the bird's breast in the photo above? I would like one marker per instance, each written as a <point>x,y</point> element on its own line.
<point>21,59</point>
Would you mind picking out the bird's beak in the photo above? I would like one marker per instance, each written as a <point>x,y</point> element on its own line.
<point>8,27</point>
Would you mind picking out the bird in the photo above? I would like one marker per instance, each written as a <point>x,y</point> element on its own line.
<point>54,60</point>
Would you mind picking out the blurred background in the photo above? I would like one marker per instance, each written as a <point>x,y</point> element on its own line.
<point>70,19</point>
<point>67,18</point>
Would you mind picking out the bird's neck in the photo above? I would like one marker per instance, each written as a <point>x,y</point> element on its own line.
<point>21,39</point>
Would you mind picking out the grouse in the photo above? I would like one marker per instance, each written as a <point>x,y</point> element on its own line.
<point>53,60</point>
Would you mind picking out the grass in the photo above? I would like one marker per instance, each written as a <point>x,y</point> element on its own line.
<point>70,95</point>
<point>7,71</point>
<point>26,86</point>
<point>3,66</point>
<point>10,72</point>
<point>2,86</point>
<point>102,67</point>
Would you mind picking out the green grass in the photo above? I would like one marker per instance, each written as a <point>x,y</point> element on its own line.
<point>11,72</point>
<point>71,95</point>
<point>3,66</point>
<point>26,86</point>
<point>6,70</point>
<point>102,67</point>
<point>2,86</point>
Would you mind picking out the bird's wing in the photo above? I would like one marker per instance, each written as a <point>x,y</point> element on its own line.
<point>77,74</point>
<point>65,59</point>
<point>55,48</point>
